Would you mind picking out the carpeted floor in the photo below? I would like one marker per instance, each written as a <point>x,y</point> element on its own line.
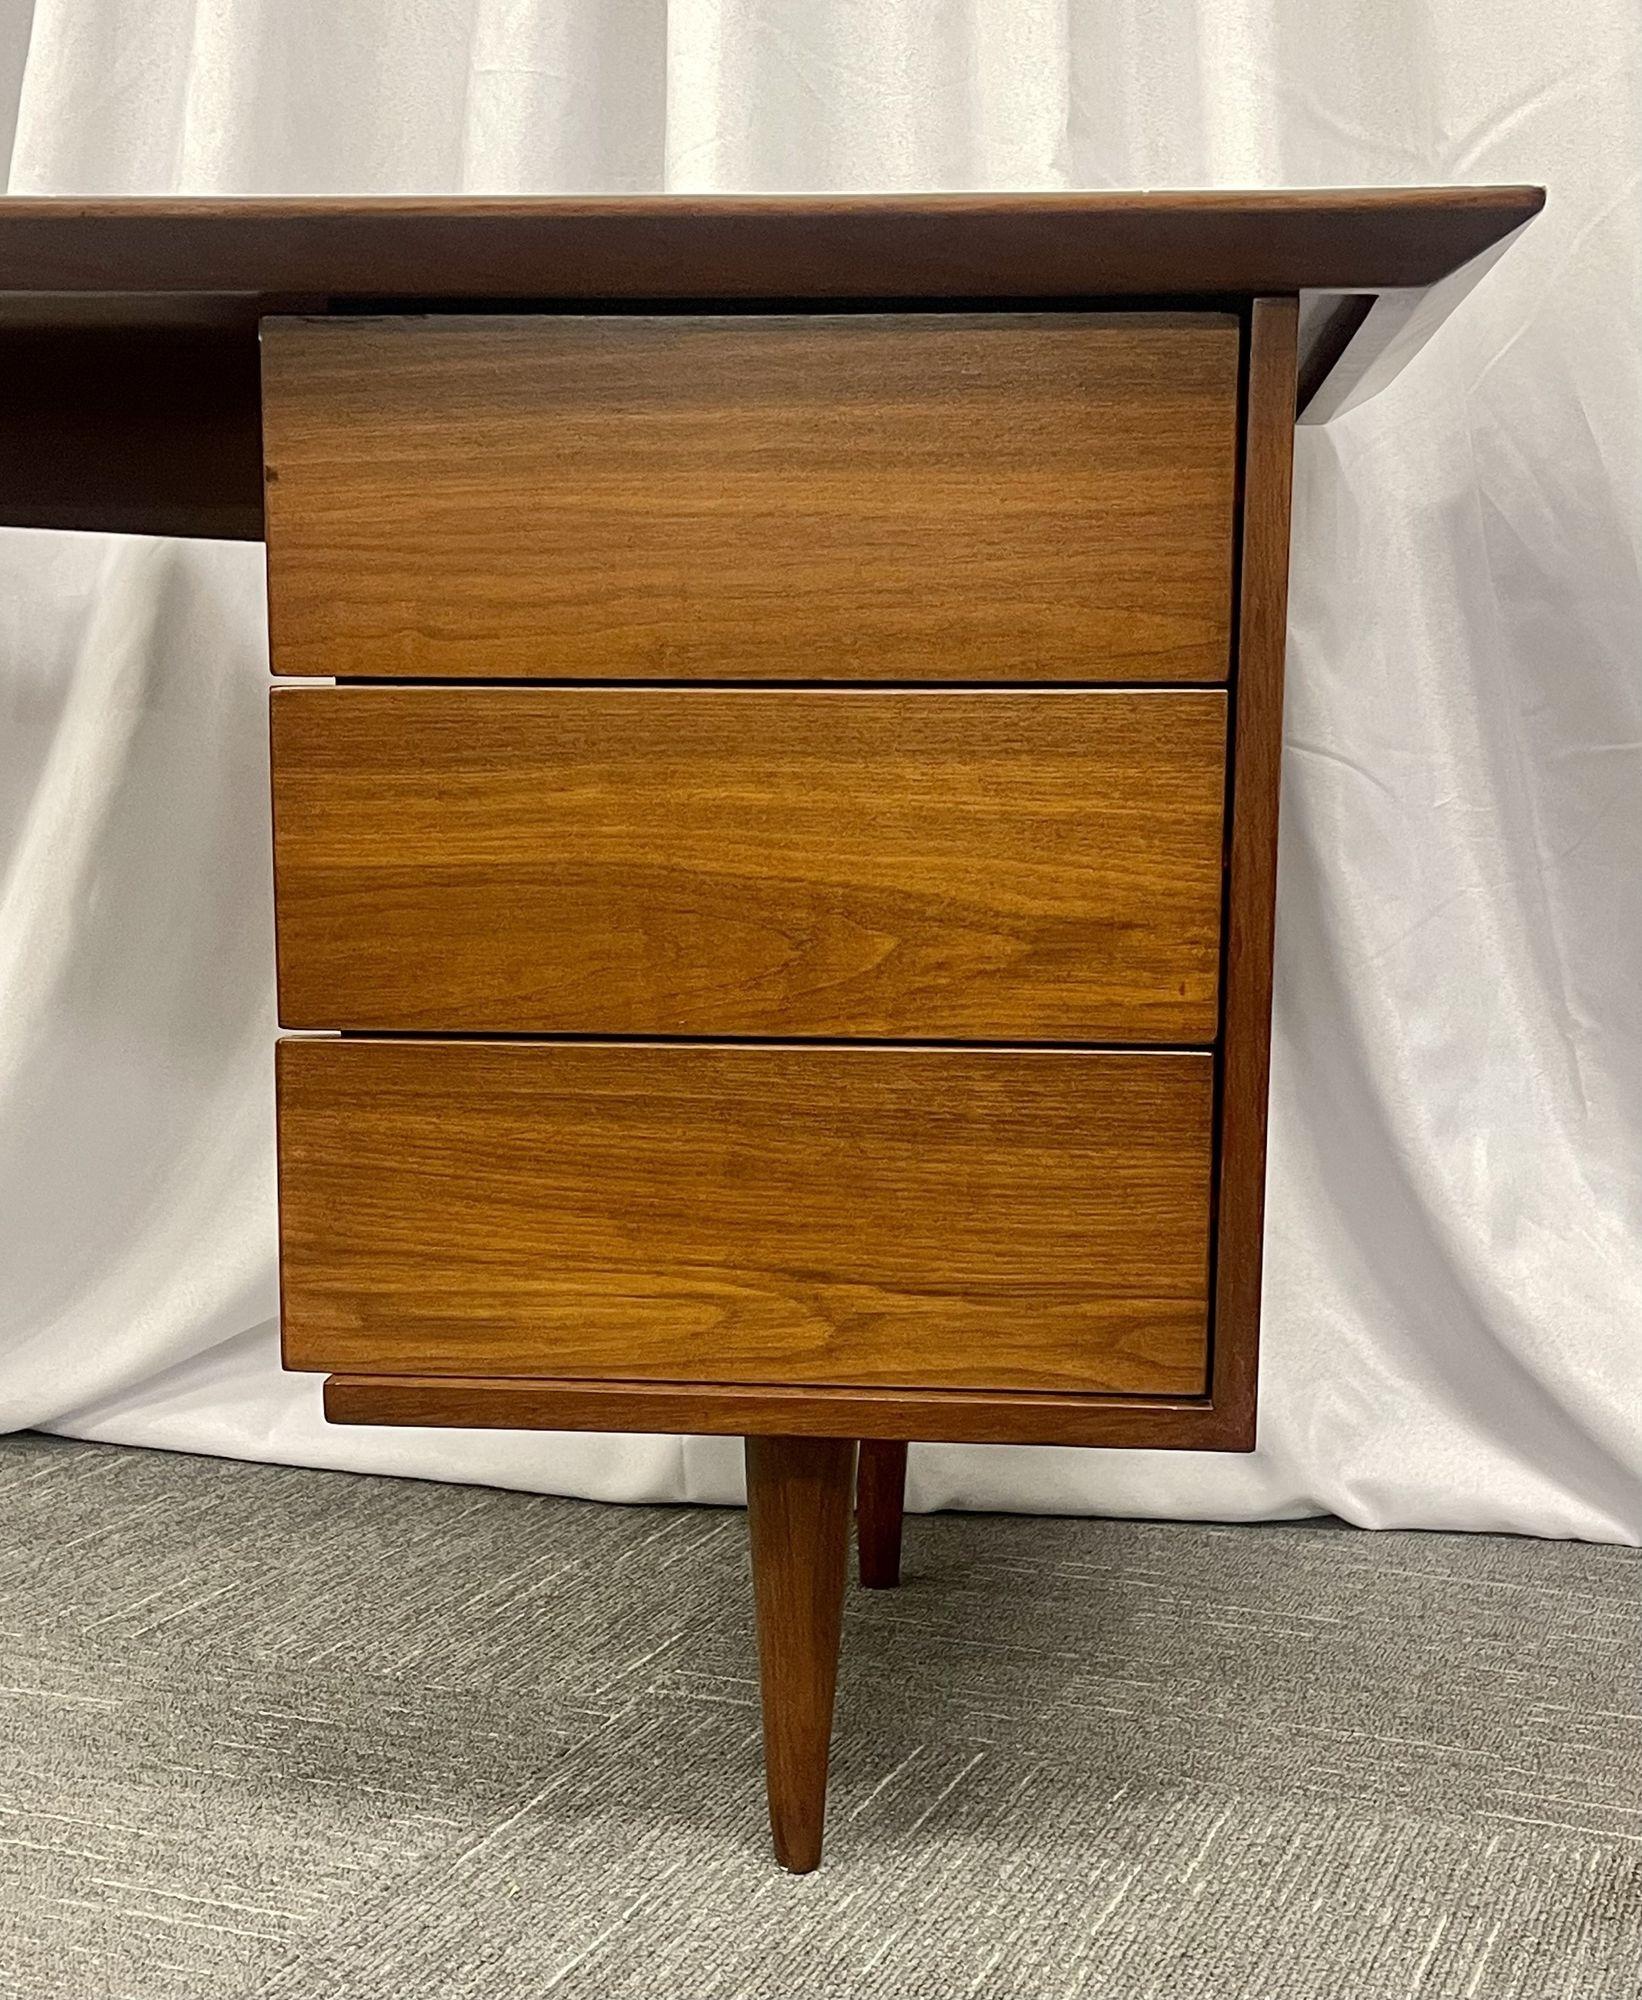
<point>273,1732</point>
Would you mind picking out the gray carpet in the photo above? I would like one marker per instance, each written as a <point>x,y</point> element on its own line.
<point>272,1732</point>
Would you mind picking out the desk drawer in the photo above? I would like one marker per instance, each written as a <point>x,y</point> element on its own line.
<point>1000,1219</point>
<point>867,496</point>
<point>925,865</point>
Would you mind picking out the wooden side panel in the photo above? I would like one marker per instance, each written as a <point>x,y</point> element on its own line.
<point>927,1217</point>
<point>889,497</point>
<point>1252,858</point>
<point>924,865</point>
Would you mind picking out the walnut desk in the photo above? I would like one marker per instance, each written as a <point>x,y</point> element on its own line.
<point>779,825</point>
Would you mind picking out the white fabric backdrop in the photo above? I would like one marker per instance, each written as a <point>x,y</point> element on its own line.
<point>1454,1251</point>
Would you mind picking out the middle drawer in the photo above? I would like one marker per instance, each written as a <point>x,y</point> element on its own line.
<point>978,865</point>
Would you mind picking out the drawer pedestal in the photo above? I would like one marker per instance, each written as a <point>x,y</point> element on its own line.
<point>777,902</point>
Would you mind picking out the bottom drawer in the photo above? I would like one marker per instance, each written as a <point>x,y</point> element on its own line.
<point>960,1218</point>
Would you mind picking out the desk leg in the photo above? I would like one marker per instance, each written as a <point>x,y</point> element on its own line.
<point>880,1498</point>
<point>798,1515</point>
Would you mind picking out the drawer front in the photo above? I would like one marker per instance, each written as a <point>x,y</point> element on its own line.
<point>927,865</point>
<point>886,497</point>
<point>1003,1219</point>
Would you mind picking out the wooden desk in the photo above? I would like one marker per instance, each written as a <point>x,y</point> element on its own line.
<point>786,825</point>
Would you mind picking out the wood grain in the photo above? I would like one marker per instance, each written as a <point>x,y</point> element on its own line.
<point>956,1416</point>
<point>1251,890</point>
<point>924,865</point>
<point>922,1217</point>
<point>798,1513</point>
<point>880,1504</point>
<point>870,496</point>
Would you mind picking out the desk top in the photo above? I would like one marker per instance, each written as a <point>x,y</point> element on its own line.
<point>128,327</point>
<point>978,246</point>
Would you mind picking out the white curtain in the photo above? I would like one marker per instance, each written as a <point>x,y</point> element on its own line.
<point>1453,1326</point>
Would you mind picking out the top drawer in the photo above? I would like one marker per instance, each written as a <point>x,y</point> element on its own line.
<point>876,496</point>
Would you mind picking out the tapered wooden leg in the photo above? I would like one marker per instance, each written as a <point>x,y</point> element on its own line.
<point>880,1499</point>
<point>798,1518</point>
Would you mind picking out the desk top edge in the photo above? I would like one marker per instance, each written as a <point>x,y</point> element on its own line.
<point>978,245</point>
